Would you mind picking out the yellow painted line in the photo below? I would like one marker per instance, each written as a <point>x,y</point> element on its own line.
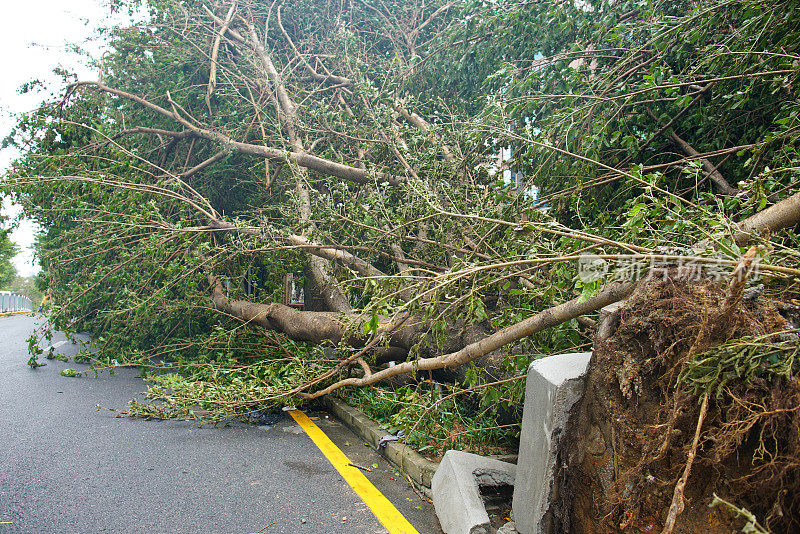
<point>14,313</point>
<point>384,510</point>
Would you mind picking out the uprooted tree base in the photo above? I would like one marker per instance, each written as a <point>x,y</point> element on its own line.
<point>631,435</point>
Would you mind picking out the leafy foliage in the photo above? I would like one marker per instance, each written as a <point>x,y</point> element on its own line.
<point>8,249</point>
<point>744,359</point>
<point>152,183</point>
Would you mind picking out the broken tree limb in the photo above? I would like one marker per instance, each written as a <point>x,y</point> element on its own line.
<point>316,249</point>
<point>423,125</point>
<point>541,321</point>
<point>203,164</point>
<point>336,80</point>
<point>342,257</point>
<point>700,95</point>
<point>237,38</point>
<point>319,272</point>
<point>298,325</point>
<point>154,131</point>
<point>784,214</point>
<point>308,161</point>
<point>212,76</point>
<point>722,184</point>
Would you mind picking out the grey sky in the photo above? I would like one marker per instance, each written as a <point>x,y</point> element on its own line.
<point>34,40</point>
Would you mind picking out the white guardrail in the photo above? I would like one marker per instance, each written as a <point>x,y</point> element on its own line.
<point>11,302</point>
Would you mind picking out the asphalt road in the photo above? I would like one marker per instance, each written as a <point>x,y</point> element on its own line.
<point>66,467</point>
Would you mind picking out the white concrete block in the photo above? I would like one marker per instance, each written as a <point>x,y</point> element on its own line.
<point>554,384</point>
<point>456,492</point>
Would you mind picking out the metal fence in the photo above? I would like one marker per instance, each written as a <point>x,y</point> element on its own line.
<point>11,302</point>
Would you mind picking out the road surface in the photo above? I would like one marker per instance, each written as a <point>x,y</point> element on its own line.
<point>66,467</point>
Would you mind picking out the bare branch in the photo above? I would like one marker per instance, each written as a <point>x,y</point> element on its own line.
<point>722,184</point>
<point>212,76</point>
<point>314,163</point>
<point>203,164</point>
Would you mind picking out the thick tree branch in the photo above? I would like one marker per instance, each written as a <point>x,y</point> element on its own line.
<point>541,321</point>
<point>308,161</point>
<point>784,214</point>
<point>297,325</point>
<point>342,257</point>
<point>212,76</point>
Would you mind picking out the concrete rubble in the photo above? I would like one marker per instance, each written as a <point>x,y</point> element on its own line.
<point>508,528</point>
<point>554,384</point>
<point>456,490</point>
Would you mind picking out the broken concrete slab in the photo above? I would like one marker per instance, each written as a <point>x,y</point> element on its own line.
<point>554,384</point>
<point>456,490</point>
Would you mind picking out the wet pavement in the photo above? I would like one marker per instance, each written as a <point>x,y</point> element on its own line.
<point>66,466</point>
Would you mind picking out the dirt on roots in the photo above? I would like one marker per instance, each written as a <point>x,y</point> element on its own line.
<point>629,439</point>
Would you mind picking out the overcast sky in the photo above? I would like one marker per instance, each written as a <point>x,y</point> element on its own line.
<point>35,40</point>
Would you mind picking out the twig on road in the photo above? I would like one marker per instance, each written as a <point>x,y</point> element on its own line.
<point>360,467</point>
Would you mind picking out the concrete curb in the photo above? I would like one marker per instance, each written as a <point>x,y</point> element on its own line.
<point>419,469</point>
<point>554,384</point>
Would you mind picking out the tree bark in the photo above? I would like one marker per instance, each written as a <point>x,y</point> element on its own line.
<point>308,161</point>
<point>541,321</point>
<point>297,325</point>
<point>722,184</point>
<point>784,214</point>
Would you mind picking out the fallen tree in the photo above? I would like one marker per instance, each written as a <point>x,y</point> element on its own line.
<point>356,148</point>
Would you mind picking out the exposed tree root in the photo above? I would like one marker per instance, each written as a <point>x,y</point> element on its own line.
<point>676,507</point>
<point>640,426</point>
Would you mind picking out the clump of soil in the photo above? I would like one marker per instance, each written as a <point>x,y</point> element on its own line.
<point>630,437</point>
